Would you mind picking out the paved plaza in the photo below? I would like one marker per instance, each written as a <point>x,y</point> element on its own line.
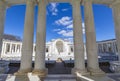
<point>30,77</point>
<point>58,72</point>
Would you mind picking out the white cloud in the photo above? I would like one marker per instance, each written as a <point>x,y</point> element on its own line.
<point>70,39</point>
<point>65,9</point>
<point>67,23</point>
<point>64,21</point>
<point>62,32</point>
<point>53,8</point>
<point>70,26</point>
<point>68,33</point>
<point>56,30</point>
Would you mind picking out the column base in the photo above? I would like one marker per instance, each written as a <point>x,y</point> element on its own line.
<point>96,72</point>
<point>80,71</point>
<point>41,73</point>
<point>23,72</point>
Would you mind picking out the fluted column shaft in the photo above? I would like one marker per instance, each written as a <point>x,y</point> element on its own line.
<point>2,19</point>
<point>116,14</point>
<point>27,45</point>
<point>91,46</point>
<point>78,39</point>
<point>40,40</point>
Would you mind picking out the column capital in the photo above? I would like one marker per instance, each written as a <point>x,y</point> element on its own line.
<point>31,2</point>
<point>74,1</point>
<point>87,0</point>
<point>4,4</point>
<point>84,1</point>
<point>114,3</point>
<point>45,2</point>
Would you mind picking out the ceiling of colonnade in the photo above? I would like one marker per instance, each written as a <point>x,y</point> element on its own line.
<point>16,2</point>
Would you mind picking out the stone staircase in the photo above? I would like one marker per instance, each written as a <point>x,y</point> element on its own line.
<point>60,78</point>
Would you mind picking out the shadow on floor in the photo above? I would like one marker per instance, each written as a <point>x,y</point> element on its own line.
<point>22,78</point>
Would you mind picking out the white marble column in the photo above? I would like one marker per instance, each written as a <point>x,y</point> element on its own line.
<point>11,48</point>
<point>116,13</point>
<point>15,48</point>
<point>27,45</point>
<point>20,48</point>
<point>79,62</point>
<point>2,19</point>
<point>39,68</point>
<point>91,47</point>
<point>101,47</point>
<point>114,47</point>
<point>3,48</point>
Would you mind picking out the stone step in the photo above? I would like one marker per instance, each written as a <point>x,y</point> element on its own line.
<point>60,78</point>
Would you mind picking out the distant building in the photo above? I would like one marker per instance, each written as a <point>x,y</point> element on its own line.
<point>58,48</point>
<point>107,46</point>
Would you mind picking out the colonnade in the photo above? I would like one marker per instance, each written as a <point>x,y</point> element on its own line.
<point>108,46</point>
<point>11,47</point>
<point>91,47</point>
<point>14,47</point>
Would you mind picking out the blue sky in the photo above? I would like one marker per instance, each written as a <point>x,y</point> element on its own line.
<point>59,21</point>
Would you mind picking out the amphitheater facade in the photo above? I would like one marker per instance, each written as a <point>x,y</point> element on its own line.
<point>56,48</point>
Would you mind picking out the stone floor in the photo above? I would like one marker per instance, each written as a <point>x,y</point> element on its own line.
<point>30,77</point>
<point>115,77</point>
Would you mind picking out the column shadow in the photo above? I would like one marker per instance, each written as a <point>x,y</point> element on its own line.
<point>78,79</point>
<point>22,78</point>
<point>41,78</point>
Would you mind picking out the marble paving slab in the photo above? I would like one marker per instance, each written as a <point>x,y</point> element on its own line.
<point>30,77</point>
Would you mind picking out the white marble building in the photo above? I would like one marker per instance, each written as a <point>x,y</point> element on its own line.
<point>54,49</point>
<point>57,48</point>
<point>107,46</point>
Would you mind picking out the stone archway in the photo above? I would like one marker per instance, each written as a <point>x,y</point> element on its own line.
<point>59,46</point>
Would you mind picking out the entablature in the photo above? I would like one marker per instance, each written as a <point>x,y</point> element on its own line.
<point>19,2</point>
